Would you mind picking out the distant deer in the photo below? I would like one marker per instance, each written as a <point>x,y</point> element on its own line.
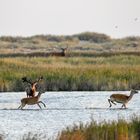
<point>121,98</point>
<point>32,89</point>
<point>31,101</point>
<point>62,53</point>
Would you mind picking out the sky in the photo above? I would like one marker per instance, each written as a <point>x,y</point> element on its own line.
<point>116,18</point>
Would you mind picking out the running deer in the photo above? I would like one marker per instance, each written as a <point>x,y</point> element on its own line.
<point>31,101</point>
<point>32,89</point>
<point>121,98</point>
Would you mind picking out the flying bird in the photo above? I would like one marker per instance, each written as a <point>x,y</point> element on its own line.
<point>136,19</point>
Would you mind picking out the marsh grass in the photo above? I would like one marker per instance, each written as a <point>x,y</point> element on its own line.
<point>115,130</point>
<point>72,73</point>
<point>36,136</point>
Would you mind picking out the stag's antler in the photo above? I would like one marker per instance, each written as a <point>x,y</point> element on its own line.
<point>39,79</point>
<point>24,79</point>
<point>32,89</point>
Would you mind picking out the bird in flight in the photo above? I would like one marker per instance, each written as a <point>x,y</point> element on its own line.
<point>136,19</point>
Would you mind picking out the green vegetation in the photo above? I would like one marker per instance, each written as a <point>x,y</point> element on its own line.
<point>92,61</point>
<point>115,130</point>
<point>79,44</point>
<point>72,73</point>
<point>37,136</point>
<point>93,37</point>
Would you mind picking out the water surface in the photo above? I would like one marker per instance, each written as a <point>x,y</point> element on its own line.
<point>63,109</point>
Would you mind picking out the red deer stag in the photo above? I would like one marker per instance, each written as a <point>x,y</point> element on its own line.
<point>62,53</point>
<point>32,89</point>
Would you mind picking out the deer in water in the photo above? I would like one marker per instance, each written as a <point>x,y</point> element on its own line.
<point>32,89</point>
<point>121,98</point>
<point>31,101</point>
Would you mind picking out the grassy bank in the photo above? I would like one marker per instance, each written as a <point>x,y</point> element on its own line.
<point>72,73</point>
<point>115,130</point>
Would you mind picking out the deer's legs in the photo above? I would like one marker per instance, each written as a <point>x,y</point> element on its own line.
<point>42,103</point>
<point>109,102</point>
<point>113,102</point>
<point>39,105</point>
<point>22,105</point>
<point>27,95</point>
<point>124,105</point>
<point>19,107</point>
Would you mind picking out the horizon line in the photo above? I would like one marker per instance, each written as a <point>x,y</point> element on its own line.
<point>51,34</point>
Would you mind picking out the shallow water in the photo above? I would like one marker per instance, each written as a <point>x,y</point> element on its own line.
<point>63,109</point>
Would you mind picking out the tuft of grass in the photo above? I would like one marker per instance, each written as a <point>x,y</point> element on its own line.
<point>115,130</point>
<point>37,136</point>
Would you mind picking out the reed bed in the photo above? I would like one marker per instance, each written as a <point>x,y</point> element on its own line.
<point>115,130</point>
<point>72,73</point>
